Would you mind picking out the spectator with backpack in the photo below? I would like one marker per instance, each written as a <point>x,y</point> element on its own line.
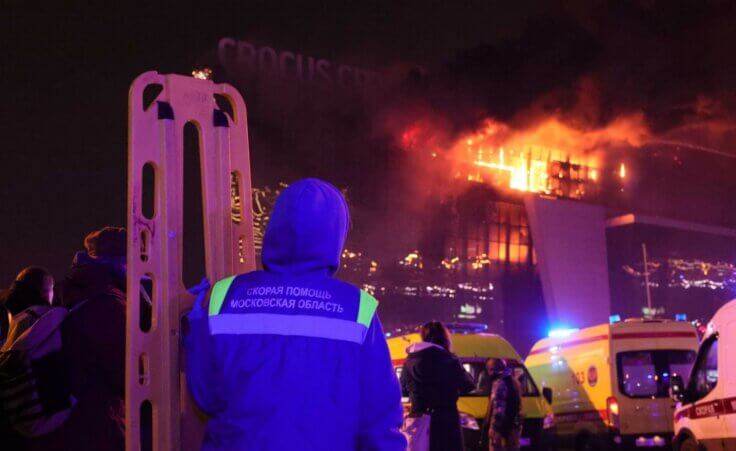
<point>33,287</point>
<point>28,299</point>
<point>502,426</point>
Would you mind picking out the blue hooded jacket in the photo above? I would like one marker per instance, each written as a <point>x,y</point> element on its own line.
<point>289,357</point>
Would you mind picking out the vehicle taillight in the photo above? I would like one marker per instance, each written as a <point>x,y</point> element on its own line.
<point>613,412</point>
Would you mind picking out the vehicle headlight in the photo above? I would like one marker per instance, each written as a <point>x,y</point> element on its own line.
<point>549,421</point>
<point>468,422</point>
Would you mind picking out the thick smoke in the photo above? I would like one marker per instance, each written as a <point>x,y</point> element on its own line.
<point>648,83</point>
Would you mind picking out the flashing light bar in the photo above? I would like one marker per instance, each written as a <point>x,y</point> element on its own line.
<point>681,317</point>
<point>466,328</point>
<point>613,319</point>
<point>560,333</point>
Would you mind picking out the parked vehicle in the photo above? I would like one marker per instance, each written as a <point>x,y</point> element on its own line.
<point>705,415</point>
<point>610,382</point>
<point>473,349</point>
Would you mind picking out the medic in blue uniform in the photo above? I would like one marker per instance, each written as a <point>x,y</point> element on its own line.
<point>289,357</point>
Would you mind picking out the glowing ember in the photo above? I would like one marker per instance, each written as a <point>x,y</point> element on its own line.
<point>480,261</point>
<point>450,263</point>
<point>374,266</point>
<point>203,74</point>
<point>413,259</point>
<point>350,254</point>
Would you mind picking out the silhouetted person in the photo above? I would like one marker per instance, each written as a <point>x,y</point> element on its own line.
<point>33,287</point>
<point>290,357</point>
<point>433,379</point>
<point>502,425</point>
<point>94,346</point>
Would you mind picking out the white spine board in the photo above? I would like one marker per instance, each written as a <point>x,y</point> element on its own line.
<point>154,365</point>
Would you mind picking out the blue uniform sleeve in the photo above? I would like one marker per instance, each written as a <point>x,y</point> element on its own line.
<point>380,410</point>
<point>202,371</point>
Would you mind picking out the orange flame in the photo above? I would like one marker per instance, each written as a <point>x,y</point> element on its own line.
<point>549,156</point>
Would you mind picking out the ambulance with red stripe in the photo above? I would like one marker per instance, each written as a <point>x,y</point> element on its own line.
<point>473,348</point>
<point>610,382</point>
<point>705,416</point>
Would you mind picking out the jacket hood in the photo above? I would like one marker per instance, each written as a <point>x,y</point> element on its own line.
<point>421,346</point>
<point>91,277</point>
<point>307,229</point>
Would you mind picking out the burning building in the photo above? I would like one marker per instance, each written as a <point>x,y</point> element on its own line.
<point>460,212</point>
<point>534,220</point>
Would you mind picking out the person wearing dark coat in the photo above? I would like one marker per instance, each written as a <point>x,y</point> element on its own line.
<point>93,337</point>
<point>433,379</point>
<point>501,429</point>
<point>33,286</point>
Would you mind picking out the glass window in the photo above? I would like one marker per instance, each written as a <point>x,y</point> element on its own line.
<point>483,381</point>
<point>524,235</point>
<point>474,248</point>
<point>494,232</point>
<point>514,215</point>
<point>705,375</point>
<point>647,373</point>
<point>523,254</point>
<point>514,235</point>
<point>502,252</point>
<point>493,254</point>
<point>514,253</point>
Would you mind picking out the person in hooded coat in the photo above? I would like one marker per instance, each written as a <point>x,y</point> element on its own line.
<point>290,357</point>
<point>433,379</point>
<point>93,337</point>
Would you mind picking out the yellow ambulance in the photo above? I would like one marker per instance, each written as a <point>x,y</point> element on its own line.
<point>611,382</point>
<point>473,349</point>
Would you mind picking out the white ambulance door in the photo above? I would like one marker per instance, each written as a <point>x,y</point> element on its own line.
<point>728,392</point>
<point>705,406</point>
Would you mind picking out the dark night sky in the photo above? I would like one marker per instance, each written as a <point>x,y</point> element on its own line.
<point>66,70</point>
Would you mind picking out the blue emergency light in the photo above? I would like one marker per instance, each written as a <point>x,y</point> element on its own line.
<point>680,317</point>
<point>613,319</point>
<point>560,333</point>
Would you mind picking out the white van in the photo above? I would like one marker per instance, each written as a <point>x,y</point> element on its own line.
<point>705,415</point>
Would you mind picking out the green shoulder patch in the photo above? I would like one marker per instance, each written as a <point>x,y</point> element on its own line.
<point>218,295</point>
<point>368,306</point>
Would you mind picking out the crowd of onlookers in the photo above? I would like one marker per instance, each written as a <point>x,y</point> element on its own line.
<point>68,395</point>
